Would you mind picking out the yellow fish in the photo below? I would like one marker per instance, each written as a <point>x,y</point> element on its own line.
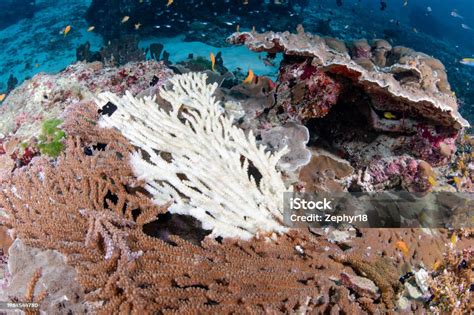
<point>389,115</point>
<point>125,19</point>
<point>170,2</point>
<point>137,26</point>
<point>67,30</point>
<point>454,239</point>
<point>457,182</point>
<point>91,28</point>
<point>436,265</point>
<point>403,247</point>
<point>432,181</point>
<point>2,97</point>
<point>213,61</point>
<point>250,77</point>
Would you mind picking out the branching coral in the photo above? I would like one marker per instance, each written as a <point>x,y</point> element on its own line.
<point>30,299</point>
<point>53,205</point>
<point>81,207</point>
<point>207,175</point>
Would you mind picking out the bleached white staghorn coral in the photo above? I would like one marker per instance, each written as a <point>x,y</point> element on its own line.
<point>213,155</point>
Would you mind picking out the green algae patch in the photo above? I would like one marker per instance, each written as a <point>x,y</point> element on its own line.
<point>51,138</point>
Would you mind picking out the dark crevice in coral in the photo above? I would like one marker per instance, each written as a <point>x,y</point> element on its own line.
<point>344,247</point>
<point>407,76</point>
<point>110,197</point>
<point>168,224</point>
<point>89,150</point>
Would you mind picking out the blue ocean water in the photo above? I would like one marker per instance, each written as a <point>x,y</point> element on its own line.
<point>32,32</point>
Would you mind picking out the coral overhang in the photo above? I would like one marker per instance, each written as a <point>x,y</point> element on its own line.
<point>371,104</point>
<point>409,80</point>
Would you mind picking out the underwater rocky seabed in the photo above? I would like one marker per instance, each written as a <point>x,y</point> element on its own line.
<point>88,236</point>
<point>88,172</point>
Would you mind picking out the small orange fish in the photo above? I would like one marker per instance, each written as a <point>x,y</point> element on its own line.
<point>91,28</point>
<point>2,97</point>
<point>125,19</point>
<point>250,77</point>
<point>170,2</point>
<point>67,30</point>
<point>213,61</point>
<point>403,247</point>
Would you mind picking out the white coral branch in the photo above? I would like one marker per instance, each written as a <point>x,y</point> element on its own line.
<point>208,175</point>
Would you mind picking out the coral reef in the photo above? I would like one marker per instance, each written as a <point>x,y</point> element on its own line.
<point>239,196</point>
<point>51,137</point>
<point>409,81</point>
<point>57,283</point>
<point>46,98</point>
<point>123,50</point>
<point>451,283</point>
<point>381,272</point>
<point>124,266</point>
<point>305,92</point>
<point>29,295</point>
<point>324,173</point>
<point>175,206</point>
<point>292,136</point>
<point>387,110</point>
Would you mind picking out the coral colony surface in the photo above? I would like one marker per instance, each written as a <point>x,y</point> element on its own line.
<point>134,182</point>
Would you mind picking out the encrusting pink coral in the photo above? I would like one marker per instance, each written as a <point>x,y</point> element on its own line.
<point>305,92</point>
